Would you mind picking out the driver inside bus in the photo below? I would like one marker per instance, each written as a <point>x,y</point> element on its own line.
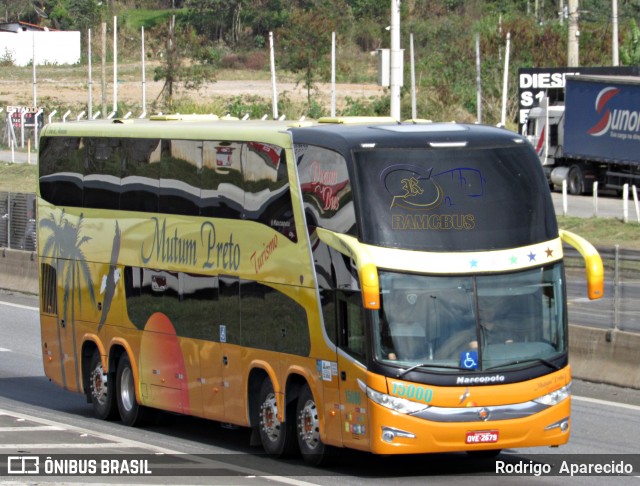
<point>494,327</point>
<point>407,326</point>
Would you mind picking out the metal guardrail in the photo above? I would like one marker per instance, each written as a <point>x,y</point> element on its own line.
<point>18,221</point>
<point>619,309</point>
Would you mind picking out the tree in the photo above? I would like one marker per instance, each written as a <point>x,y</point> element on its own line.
<point>630,53</point>
<point>306,39</point>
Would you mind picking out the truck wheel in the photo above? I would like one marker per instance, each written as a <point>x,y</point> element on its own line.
<point>575,181</point>
<point>278,438</point>
<point>101,391</point>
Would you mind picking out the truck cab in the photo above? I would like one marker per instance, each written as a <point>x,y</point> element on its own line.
<point>545,130</point>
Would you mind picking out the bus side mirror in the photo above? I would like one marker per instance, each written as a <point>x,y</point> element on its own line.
<point>595,269</point>
<point>370,286</point>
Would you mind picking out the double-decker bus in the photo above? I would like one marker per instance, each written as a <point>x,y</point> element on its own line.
<point>388,287</point>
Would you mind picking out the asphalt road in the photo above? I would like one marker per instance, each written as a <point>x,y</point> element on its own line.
<point>37,417</point>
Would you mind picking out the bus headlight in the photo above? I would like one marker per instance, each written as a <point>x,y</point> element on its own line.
<point>555,397</point>
<point>396,404</point>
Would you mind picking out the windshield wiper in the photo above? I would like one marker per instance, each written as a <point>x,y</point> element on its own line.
<point>401,373</point>
<point>523,361</point>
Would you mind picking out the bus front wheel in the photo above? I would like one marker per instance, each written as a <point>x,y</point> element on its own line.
<point>277,437</point>
<point>101,390</point>
<point>131,413</point>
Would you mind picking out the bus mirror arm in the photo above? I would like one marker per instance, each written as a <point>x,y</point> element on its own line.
<point>367,270</point>
<point>595,269</point>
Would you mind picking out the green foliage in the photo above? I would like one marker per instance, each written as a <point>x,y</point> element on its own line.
<point>630,52</point>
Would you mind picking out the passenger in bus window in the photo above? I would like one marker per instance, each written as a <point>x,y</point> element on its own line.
<point>495,326</point>
<point>407,326</point>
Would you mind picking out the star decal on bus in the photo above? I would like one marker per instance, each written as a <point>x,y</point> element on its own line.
<point>532,256</point>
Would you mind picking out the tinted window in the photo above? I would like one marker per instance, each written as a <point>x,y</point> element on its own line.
<point>180,170</point>
<point>102,172</point>
<point>140,160</point>
<point>61,167</point>
<point>222,194</point>
<point>326,189</point>
<point>453,199</point>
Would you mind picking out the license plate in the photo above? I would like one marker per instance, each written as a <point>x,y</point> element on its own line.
<point>482,436</point>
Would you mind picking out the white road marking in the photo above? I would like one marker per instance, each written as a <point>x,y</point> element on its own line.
<point>121,442</point>
<point>19,306</point>
<point>635,408</point>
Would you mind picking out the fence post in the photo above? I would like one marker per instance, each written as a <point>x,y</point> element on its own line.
<point>616,289</point>
<point>595,199</point>
<point>625,203</point>
<point>9,220</point>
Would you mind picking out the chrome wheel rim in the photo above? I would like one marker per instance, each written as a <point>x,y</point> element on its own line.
<point>269,422</point>
<point>308,425</point>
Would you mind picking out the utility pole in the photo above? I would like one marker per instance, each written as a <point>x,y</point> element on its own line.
<point>573,45</point>
<point>396,60</point>
<point>614,22</point>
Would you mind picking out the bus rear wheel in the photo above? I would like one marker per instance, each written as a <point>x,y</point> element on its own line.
<point>314,452</point>
<point>277,437</point>
<point>100,390</point>
<point>131,413</point>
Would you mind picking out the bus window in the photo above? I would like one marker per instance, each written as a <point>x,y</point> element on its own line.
<point>326,188</point>
<point>60,164</point>
<point>352,324</point>
<point>180,170</point>
<point>267,196</point>
<point>140,174</point>
<point>222,188</point>
<point>102,173</point>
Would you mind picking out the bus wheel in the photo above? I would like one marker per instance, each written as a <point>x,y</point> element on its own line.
<point>575,181</point>
<point>131,413</point>
<point>101,391</point>
<point>277,437</point>
<point>314,452</point>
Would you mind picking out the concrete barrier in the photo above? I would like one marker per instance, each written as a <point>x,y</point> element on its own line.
<point>19,271</point>
<point>597,355</point>
<point>605,356</point>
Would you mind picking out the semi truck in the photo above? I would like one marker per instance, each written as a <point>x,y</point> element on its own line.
<point>593,137</point>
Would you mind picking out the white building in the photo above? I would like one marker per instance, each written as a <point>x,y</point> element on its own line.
<point>18,40</point>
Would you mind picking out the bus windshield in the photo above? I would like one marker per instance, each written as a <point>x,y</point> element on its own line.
<point>451,199</point>
<point>471,322</point>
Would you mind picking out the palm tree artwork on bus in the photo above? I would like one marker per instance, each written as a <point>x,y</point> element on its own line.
<point>64,246</point>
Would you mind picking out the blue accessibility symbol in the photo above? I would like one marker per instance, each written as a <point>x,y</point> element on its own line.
<point>469,360</point>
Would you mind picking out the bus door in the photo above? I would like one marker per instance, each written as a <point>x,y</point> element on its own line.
<point>68,314</point>
<point>351,358</point>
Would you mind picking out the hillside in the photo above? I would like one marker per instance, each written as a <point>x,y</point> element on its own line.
<point>212,56</point>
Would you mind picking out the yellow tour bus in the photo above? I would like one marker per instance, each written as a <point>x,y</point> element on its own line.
<point>354,283</point>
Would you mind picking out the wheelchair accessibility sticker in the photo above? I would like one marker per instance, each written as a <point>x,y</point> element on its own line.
<point>469,360</point>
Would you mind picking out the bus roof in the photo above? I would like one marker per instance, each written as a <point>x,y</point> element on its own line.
<point>341,133</point>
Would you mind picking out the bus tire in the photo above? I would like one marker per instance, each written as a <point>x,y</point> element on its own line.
<point>575,181</point>
<point>278,438</point>
<point>131,413</point>
<point>314,452</point>
<point>101,392</point>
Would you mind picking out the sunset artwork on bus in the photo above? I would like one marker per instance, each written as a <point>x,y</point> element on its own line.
<point>389,287</point>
